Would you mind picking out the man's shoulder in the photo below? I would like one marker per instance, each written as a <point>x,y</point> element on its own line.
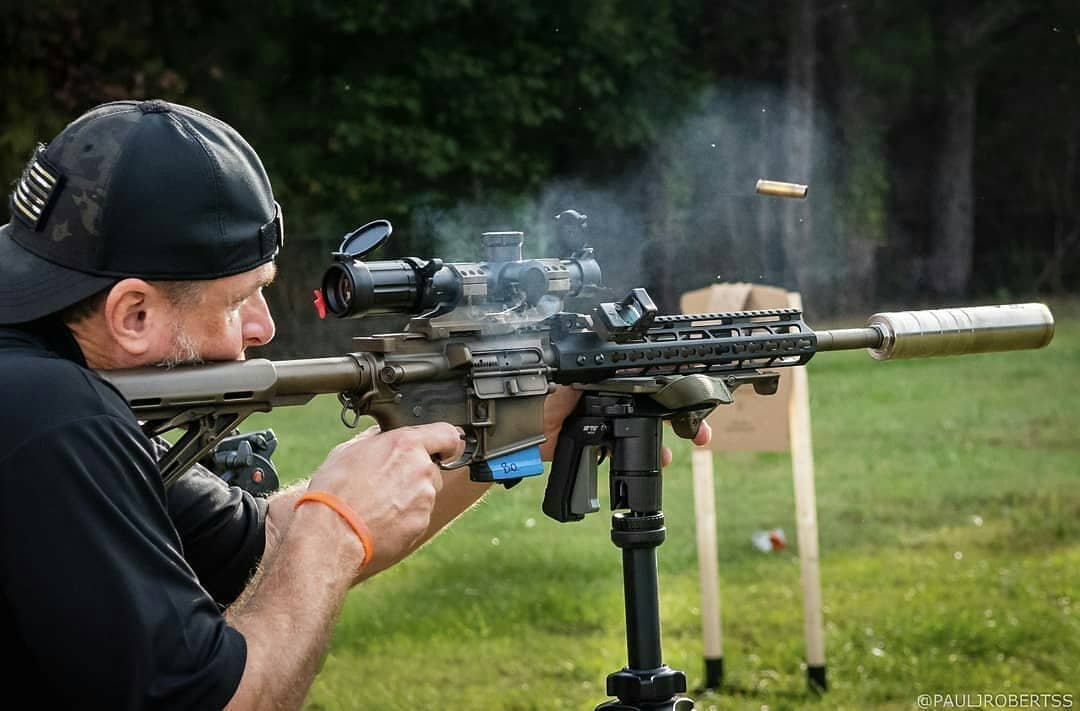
<point>38,374</point>
<point>42,391</point>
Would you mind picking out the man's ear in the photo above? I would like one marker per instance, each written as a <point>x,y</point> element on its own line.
<point>138,316</point>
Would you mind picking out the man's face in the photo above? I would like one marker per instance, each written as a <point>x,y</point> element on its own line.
<point>230,316</point>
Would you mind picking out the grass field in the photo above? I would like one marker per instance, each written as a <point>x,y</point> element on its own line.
<point>949,510</point>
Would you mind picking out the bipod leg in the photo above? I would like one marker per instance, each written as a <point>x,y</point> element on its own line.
<point>645,683</point>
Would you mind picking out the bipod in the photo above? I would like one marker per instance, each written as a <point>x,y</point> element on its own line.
<point>645,683</point>
<point>627,428</point>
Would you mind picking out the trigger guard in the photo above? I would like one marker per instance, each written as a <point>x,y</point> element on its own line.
<point>466,457</point>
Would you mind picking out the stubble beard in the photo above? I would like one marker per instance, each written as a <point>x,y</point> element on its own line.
<point>184,350</point>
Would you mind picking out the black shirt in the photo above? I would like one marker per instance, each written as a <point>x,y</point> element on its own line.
<point>111,590</point>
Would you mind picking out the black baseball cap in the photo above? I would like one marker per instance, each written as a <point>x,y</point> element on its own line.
<point>146,189</point>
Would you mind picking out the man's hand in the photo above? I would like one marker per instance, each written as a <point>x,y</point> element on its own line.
<point>391,480</point>
<point>559,405</point>
<point>702,438</point>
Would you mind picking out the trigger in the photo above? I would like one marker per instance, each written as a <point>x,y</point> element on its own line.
<point>466,458</point>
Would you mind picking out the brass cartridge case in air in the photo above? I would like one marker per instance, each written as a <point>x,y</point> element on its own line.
<point>977,329</point>
<point>780,189</point>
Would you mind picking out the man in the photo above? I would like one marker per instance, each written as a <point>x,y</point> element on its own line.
<point>144,233</point>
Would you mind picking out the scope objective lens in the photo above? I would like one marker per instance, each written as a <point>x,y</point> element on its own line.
<point>344,289</point>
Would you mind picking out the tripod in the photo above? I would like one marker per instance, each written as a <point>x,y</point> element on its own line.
<point>628,429</point>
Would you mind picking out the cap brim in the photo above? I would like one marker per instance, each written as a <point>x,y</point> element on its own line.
<point>32,287</point>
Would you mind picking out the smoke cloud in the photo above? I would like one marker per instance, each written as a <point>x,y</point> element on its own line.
<point>685,214</point>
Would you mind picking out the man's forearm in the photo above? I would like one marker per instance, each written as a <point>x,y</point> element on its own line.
<point>288,611</point>
<point>279,514</point>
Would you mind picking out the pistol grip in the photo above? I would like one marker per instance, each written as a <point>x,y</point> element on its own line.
<point>571,488</point>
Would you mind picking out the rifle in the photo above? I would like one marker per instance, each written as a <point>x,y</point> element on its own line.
<point>486,341</point>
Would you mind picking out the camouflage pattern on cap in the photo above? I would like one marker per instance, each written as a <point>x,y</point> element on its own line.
<point>85,153</point>
<point>153,190</point>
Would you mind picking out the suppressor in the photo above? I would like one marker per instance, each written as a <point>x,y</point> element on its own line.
<point>937,332</point>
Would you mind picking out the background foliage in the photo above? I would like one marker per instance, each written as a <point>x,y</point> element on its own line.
<point>938,138</point>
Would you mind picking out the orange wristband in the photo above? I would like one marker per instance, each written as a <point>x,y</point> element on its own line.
<point>346,512</point>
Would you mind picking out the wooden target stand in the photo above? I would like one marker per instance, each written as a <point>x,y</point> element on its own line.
<point>752,423</point>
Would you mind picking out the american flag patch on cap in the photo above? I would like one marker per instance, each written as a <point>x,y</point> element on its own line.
<point>36,190</point>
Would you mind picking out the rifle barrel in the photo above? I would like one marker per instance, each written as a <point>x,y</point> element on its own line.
<point>934,332</point>
<point>846,339</point>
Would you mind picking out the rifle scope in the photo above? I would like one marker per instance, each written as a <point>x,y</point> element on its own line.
<point>354,288</point>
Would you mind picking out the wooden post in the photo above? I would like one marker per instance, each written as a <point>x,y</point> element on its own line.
<point>705,517</point>
<point>802,470</point>
<point>777,423</point>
